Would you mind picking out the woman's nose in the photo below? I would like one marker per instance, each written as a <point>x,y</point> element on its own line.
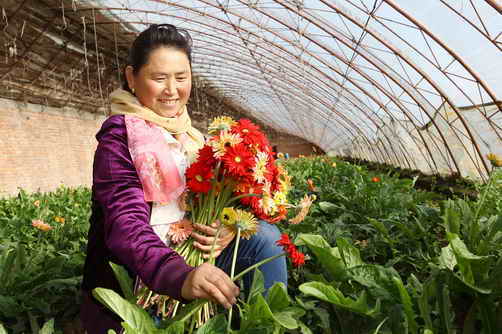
<point>170,87</point>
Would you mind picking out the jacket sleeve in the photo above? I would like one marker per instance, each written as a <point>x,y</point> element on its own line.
<point>128,234</point>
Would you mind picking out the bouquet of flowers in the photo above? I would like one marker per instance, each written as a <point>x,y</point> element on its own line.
<point>234,180</point>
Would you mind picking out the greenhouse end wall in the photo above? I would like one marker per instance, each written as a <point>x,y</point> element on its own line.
<point>43,147</point>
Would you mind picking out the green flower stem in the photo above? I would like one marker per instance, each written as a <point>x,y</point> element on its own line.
<point>256,265</point>
<point>232,272</point>
<point>211,258</point>
<point>483,197</point>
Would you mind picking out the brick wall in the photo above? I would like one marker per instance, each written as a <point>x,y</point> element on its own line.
<point>42,147</point>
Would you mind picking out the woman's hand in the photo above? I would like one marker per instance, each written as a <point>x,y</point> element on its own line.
<point>210,282</point>
<point>205,236</point>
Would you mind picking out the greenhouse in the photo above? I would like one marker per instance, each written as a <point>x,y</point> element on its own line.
<point>365,134</point>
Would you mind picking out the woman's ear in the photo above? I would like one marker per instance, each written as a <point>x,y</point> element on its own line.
<point>129,76</point>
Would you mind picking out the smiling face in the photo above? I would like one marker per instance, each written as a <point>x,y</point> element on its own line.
<point>163,84</point>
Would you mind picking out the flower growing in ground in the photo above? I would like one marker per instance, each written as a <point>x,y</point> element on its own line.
<point>37,203</point>
<point>297,257</point>
<point>304,205</point>
<point>375,179</point>
<point>41,225</point>
<point>494,159</point>
<point>311,185</point>
<point>60,220</point>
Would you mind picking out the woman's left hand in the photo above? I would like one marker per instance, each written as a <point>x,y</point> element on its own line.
<point>205,236</point>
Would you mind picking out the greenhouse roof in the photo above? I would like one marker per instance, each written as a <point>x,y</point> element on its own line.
<point>337,73</point>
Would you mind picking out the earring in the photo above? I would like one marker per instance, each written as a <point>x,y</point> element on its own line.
<point>133,92</point>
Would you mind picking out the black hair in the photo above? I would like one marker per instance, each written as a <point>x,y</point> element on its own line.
<point>156,36</point>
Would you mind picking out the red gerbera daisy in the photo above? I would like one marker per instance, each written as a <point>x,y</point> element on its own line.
<point>297,258</point>
<point>238,160</point>
<point>284,241</point>
<point>199,177</point>
<point>206,155</point>
<point>250,134</point>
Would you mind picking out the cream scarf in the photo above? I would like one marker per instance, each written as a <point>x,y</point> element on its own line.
<point>124,103</point>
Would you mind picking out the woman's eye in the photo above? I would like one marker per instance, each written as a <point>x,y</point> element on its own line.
<point>181,78</point>
<point>159,79</point>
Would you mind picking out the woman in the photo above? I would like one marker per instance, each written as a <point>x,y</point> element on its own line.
<point>138,177</point>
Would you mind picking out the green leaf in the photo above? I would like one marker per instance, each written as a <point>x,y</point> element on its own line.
<point>465,259</point>
<point>6,266</point>
<point>177,327</point>
<point>125,281</point>
<point>48,327</point>
<point>378,280</point>
<point>451,218</point>
<point>350,254</point>
<point>328,207</point>
<point>2,329</point>
<point>277,297</point>
<point>447,259</point>
<point>377,330</point>
<point>304,329</point>
<point>327,256</point>
<point>332,295</point>
<point>9,306</point>
<point>407,305</point>
<point>135,317</point>
<point>287,318</point>
<point>215,325</point>
<point>257,286</point>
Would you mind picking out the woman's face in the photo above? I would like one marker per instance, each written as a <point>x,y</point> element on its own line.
<point>163,84</point>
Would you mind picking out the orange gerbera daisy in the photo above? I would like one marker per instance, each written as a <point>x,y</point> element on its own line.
<point>180,231</point>
<point>37,223</point>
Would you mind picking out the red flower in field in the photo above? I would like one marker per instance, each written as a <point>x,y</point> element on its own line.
<point>206,155</point>
<point>284,241</point>
<point>238,160</point>
<point>375,179</point>
<point>297,258</point>
<point>199,177</point>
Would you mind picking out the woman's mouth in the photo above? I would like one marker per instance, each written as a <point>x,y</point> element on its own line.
<point>169,102</point>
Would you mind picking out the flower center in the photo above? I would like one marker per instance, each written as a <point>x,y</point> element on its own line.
<point>245,130</point>
<point>238,159</point>
<point>199,178</point>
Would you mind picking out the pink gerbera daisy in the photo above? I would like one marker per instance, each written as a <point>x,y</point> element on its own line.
<point>180,231</point>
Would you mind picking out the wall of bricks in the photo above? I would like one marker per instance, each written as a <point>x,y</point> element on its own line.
<point>43,147</point>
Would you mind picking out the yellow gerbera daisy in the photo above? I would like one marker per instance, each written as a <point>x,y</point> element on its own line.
<point>246,223</point>
<point>260,167</point>
<point>495,160</point>
<point>228,216</point>
<point>221,124</point>
<point>280,198</point>
<point>224,140</point>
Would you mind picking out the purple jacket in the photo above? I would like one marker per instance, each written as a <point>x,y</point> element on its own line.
<point>120,232</point>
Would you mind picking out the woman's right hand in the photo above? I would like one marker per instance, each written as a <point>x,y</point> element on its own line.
<point>210,282</point>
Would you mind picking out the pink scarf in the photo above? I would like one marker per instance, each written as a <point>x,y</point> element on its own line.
<point>154,160</point>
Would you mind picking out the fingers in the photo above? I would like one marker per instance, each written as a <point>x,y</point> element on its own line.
<point>207,229</point>
<point>206,249</point>
<point>210,282</point>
